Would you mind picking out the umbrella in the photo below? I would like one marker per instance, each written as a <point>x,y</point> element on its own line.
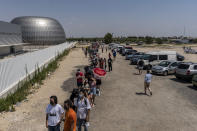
<point>100,72</point>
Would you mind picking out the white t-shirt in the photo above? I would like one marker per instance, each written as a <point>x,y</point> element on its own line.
<point>82,108</point>
<point>148,78</point>
<point>54,114</point>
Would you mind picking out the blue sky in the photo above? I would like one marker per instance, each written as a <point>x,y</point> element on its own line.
<point>94,18</point>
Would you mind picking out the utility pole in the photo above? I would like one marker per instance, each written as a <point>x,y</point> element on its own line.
<point>184,32</point>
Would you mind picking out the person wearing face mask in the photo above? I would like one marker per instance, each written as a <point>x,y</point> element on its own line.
<point>83,111</point>
<point>54,115</point>
<point>70,117</point>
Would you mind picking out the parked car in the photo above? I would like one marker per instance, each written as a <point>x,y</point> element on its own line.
<point>128,57</point>
<point>156,57</point>
<point>113,45</point>
<point>119,48</point>
<point>186,70</point>
<point>134,60</point>
<point>180,57</point>
<point>124,50</point>
<point>165,67</point>
<point>130,51</point>
<point>194,80</point>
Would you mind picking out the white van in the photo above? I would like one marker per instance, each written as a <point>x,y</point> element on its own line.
<point>157,56</point>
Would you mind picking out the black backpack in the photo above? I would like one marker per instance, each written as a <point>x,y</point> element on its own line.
<point>74,94</point>
<point>78,99</point>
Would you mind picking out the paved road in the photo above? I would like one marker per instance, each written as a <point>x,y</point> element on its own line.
<point>123,107</point>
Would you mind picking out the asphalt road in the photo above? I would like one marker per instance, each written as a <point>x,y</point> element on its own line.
<point>122,105</point>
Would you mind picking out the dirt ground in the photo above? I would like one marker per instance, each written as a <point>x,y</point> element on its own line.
<point>124,107</point>
<point>30,115</point>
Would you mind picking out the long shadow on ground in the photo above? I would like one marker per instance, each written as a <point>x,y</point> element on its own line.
<point>70,83</point>
<point>182,81</point>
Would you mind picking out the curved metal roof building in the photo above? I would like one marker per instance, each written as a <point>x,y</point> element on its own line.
<point>40,30</point>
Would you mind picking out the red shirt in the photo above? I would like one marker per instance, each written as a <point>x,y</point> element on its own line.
<point>79,76</point>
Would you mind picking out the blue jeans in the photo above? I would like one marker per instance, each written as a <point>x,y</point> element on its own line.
<point>80,123</point>
<point>93,90</point>
<point>54,128</point>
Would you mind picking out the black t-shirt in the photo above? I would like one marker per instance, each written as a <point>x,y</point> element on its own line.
<point>141,63</point>
<point>109,61</point>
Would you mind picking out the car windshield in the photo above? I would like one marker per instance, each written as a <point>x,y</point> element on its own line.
<point>183,66</point>
<point>146,57</point>
<point>137,56</point>
<point>164,63</point>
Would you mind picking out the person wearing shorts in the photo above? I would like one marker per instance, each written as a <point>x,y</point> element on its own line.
<point>140,66</point>
<point>93,90</point>
<point>147,81</point>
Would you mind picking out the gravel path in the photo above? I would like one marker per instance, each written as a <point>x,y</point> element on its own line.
<point>123,107</point>
<point>30,115</point>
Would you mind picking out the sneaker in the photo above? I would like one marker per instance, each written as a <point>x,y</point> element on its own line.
<point>151,93</point>
<point>87,124</point>
<point>99,94</point>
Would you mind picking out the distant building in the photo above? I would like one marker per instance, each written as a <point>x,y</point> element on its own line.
<point>10,33</point>
<point>40,30</point>
<point>184,41</point>
<point>10,38</point>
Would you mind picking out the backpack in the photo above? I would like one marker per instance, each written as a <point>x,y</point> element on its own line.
<point>74,94</point>
<point>85,100</point>
<point>141,63</point>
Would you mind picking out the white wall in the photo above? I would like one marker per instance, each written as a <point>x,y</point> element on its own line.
<point>4,50</point>
<point>13,70</point>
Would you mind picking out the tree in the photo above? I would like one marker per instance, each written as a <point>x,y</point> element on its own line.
<point>148,40</point>
<point>108,38</point>
<point>159,40</point>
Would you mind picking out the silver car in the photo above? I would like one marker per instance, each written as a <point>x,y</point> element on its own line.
<point>186,71</point>
<point>165,67</point>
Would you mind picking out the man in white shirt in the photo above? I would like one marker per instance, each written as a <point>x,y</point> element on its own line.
<point>83,111</point>
<point>54,115</point>
<point>147,81</point>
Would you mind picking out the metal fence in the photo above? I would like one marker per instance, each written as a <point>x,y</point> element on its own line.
<point>14,70</point>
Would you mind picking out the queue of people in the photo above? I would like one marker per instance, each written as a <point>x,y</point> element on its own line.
<point>75,112</point>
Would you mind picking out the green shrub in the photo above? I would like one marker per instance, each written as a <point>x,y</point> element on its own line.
<point>23,89</point>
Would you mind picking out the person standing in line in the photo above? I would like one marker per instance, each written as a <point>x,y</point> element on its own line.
<point>86,52</point>
<point>54,114</point>
<point>105,63</point>
<point>102,63</point>
<point>79,76</point>
<point>70,122</point>
<point>114,54</point>
<point>83,111</point>
<point>147,81</point>
<point>110,64</point>
<point>140,66</point>
<point>106,49</point>
<point>100,59</point>
<point>109,55</point>
<point>93,90</point>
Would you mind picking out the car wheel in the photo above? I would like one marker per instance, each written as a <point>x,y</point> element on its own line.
<point>165,73</point>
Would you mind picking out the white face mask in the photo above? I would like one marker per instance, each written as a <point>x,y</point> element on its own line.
<point>81,95</point>
<point>86,86</point>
